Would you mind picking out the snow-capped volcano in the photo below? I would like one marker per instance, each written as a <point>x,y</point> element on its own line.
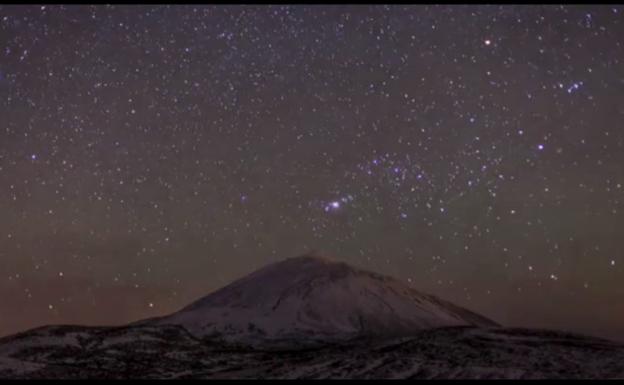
<point>306,302</point>
<point>317,297</point>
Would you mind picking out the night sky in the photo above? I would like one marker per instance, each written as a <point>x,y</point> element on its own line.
<point>152,154</point>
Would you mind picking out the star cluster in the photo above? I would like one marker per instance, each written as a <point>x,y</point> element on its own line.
<point>151,154</point>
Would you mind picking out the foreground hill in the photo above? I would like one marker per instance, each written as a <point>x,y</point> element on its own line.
<point>166,352</point>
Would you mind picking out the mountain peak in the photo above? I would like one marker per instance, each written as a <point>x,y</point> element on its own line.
<point>311,257</point>
<point>314,295</point>
<point>317,263</point>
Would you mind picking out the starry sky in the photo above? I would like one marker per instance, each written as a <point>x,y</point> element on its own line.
<point>152,154</point>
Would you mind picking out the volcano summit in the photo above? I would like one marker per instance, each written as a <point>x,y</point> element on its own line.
<point>312,296</point>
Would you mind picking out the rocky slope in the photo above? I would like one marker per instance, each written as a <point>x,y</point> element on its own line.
<point>167,352</point>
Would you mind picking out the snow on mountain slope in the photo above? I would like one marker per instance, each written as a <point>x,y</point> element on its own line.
<point>319,298</point>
